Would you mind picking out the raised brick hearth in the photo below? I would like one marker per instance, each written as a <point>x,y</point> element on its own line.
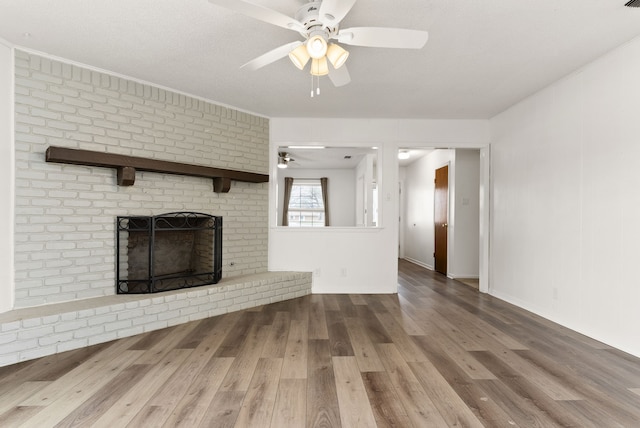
<point>35,332</point>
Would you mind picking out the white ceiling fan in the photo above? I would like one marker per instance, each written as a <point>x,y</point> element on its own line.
<point>319,24</point>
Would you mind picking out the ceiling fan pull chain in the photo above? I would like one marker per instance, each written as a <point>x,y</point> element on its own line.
<point>315,86</point>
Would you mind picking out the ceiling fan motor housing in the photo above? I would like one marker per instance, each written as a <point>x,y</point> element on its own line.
<point>310,18</point>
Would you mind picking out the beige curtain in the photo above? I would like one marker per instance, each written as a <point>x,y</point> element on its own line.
<point>324,181</point>
<point>288,185</point>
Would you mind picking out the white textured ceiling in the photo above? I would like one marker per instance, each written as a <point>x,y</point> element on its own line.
<point>482,55</point>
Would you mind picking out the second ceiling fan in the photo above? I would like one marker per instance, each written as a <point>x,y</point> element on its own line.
<point>319,24</point>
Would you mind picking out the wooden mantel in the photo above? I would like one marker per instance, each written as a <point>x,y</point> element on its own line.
<point>127,166</point>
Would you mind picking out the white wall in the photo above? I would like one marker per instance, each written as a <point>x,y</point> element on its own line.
<point>402,224</point>
<point>341,183</point>
<point>6,176</point>
<point>357,260</point>
<point>565,229</point>
<point>465,224</point>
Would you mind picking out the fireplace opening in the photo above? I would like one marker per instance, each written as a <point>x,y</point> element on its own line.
<point>167,252</point>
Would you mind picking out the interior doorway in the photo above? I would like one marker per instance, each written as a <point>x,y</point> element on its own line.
<point>463,225</point>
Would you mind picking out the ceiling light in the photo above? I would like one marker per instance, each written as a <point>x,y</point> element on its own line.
<point>317,46</point>
<point>299,56</point>
<point>337,55</point>
<point>284,159</point>
<point>404,154</point>
<point>319,67</point>
<point>321,53</point>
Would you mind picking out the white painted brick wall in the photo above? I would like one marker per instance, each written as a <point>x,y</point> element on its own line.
<point>65,214</point>
<point>35,332</point>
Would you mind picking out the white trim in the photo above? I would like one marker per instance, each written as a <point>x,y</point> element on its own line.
<point>9,293</point>
<point>401,221</point>
<point>12,205</point>
<point>419,263</point>
<point>451,211</point>
<point>463,276</point>
<point>485,215</point>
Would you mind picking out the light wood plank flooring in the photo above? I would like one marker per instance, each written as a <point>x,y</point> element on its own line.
<point>437,354</point>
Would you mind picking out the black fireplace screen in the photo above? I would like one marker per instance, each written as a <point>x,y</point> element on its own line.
<point>167,252</point>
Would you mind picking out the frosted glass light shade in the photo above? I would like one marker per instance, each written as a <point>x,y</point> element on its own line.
<point>299,56</point>
<point>404,154</point>
<point>337,55</point>
<point>319,67</point>
<point>316,47</point>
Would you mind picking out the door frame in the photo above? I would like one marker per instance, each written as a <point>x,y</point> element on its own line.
<point>485,215</point>
<point>485,207</point>
<point>401,219</point>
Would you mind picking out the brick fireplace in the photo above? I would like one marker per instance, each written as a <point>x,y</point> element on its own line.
<point>65,233</point>
<point>65,236</point>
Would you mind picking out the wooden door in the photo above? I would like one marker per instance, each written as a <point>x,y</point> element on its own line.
<point>441,207</point>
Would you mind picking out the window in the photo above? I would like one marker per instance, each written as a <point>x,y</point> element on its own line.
<point>306,208</point>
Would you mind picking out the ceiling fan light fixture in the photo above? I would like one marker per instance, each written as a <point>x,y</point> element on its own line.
<point>316,46</point>
<point>319,67</point>
<point>337,55</point>
<point>282,163</point>
<point>299,56</point>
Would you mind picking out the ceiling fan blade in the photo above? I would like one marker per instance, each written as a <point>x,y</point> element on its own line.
<point>271,56</point>
<point>382,37</point>
<point>260,13</point>
<point>339,77</point>
<point>333,11</point>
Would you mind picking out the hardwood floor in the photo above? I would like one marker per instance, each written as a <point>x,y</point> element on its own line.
<point>437,354</point>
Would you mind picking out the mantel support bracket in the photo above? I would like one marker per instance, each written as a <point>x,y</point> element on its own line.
<point>126,167</point>
<point>221,184</point>
<point>126,176</point>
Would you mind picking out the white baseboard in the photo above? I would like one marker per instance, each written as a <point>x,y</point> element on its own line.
<point>419,263</point>
<point>463,276</point>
